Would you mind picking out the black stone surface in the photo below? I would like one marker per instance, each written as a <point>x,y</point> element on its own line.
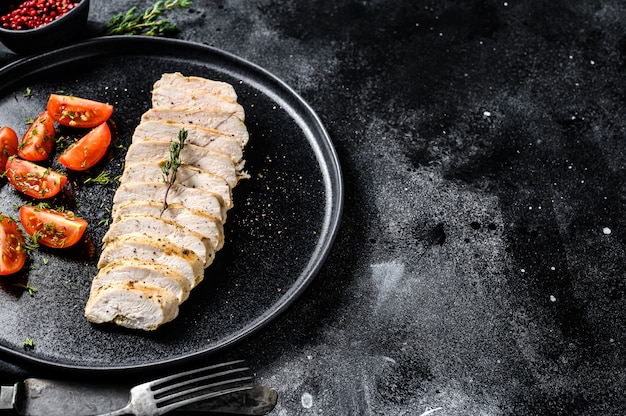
<point>480,265</point>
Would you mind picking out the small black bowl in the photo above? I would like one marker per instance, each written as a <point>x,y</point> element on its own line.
<point>55,33</point>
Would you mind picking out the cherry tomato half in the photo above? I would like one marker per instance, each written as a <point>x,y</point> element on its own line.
<point>56,229</point>
<point>38,140</point>
<point>34,180</point>
<point>12,247</point>
<point>8,145</point>
<point>87,151</point>
<point>78,112</point>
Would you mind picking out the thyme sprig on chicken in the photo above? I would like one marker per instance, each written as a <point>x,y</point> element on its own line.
<point>148,23</point>
<point>170,167</point>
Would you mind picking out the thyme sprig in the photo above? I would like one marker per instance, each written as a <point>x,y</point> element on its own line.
<point>30,289</point>
<point>148,23</point>
<point>103,178</point>
<point>170,167</point>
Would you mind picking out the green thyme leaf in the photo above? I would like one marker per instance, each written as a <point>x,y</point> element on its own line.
<point>148,23</point>
<point>31,290</point>
<point>28,344</point>
<point>103,178</point>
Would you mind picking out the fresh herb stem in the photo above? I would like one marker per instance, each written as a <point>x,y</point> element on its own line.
<point>31,290</point>
<point>103,178</point>
<point>170,167</point>
<point>148,23</point>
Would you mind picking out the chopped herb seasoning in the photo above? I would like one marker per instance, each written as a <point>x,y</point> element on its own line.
<point>28,344</point>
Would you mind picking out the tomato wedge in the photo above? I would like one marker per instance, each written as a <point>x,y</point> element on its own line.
<point>78,112</point>
<point>34,180</point>
<point>87,151</point>
<point>38,140</point>
<point>52,228</point>
<point>8,145</point>
<point>12,246</point>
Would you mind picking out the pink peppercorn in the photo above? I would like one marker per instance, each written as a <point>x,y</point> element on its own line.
<point>31,14</point>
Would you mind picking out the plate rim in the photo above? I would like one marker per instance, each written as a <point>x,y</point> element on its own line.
<point>324,152</point>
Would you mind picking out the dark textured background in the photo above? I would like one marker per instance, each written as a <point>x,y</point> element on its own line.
<point>480,265</point>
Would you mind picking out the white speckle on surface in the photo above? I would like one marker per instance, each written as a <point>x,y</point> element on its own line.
<point>487,113</point>
<point>606,230</point>
<point>306,400</point>
<point>552,298</point>
<point>386,277</point>
<point>431,411</point>
<point>523,270</point>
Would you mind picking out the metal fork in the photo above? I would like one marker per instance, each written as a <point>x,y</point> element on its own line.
<point>163,395</point>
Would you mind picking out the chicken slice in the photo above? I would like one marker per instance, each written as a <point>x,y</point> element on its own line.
<point>209,118</point>
<point>178,80</point>
<point>156,226</point>
<point>199,157</point>
<point>206,225</point>
<point>206,202</point>
<point>132,305</point>
<point>208,138</point>
<point>186,175</point>
<point>155,250</point>
<point>172,97</point>
<point>145,273</point>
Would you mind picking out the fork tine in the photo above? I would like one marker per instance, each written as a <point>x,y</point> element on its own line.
<point>194,377</point>
<point>166,404</point>
<point>185,388</point>
<point>154,384</point>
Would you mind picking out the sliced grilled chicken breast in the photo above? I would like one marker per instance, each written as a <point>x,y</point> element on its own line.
<point>178,80</point>
<point>199,157</point>
<point>164,235</point>
<point>209,118</point>
<point>207,202</point>
<point>209,138</point>
<point>207,226</point>
<point>155,226</point>
<point>186,175</point>
<point>156,250</point>
<point>180,98</point>
<point>145,273</point>
<point>132,305</point>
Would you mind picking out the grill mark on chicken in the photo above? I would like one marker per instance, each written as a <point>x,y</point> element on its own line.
<point>153,257</point>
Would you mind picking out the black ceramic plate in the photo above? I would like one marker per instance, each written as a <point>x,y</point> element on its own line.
<point>277,236</point>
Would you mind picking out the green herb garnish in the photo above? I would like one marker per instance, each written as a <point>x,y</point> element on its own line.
<point>170,167</point>
<point>31,290</point>
<point>103,178</point>
<point>28,344</point>
<point>149,23</point>
<point>104,222</point>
